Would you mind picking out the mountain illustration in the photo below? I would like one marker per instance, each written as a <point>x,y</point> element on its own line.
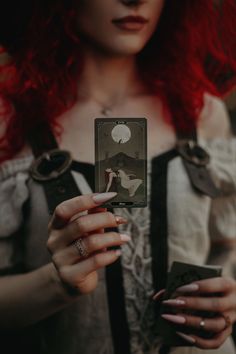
<point>129,164</point>
<point>132,166</point>
<point>121,160</point>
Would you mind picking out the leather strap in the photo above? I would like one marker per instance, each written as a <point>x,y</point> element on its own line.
<point>64,186</point>
<point>195,160</point>
<point>191,134</point>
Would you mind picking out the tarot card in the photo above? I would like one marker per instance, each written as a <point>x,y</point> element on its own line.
<point>121,160</point>
<point>182,274</point>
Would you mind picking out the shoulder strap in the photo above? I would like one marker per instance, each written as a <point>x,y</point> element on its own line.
<point>195,160</point>
<point>187,135</point>
<point>42,140</point>
<point>52,168</point>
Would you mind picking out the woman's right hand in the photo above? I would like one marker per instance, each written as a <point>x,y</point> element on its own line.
<point>66,226</point>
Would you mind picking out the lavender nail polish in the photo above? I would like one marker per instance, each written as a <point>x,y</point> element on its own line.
<point>158,295</point>
<point>120,220</point>
<point>125,237</point>
<point>174,302</point>
<point>117,253</point>
<point>186,337</point>
<point>103,197</point>
<point>174,318</point>
<point>189,288</point>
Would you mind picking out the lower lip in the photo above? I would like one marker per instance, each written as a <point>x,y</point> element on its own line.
<point>130,26</point>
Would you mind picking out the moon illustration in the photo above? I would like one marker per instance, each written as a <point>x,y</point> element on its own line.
<point>121,133</point>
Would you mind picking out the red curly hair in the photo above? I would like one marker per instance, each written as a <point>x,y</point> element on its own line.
<point>192,51</point>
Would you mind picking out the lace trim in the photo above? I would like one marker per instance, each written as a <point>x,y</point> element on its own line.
<point>137,274</point>
<point>12,167</point>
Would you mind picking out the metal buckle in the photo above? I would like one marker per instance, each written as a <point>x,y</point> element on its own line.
<point>50,165</point>
<point>192,152</point>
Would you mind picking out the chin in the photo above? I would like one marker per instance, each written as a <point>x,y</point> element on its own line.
<point>131,47</point>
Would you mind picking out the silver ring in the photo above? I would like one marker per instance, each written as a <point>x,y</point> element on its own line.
<point>202,324</point>
<point>80,246</point>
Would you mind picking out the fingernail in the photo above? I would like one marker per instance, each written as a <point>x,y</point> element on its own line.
<point>103,197</point>
<point>188,288</point>
<point>118,253</point>
<point>186,337</point>
<point>125,237</point>
<point>174,302</point>
<point>174,318</point>
<point>159,294</point>
<point>120,220</point>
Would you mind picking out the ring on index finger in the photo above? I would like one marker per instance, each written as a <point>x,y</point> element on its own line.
<point>80,247</point>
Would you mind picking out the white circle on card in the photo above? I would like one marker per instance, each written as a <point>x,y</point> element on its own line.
<point>121,133</point>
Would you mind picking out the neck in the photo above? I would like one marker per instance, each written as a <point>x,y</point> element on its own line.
<point>108,79</point>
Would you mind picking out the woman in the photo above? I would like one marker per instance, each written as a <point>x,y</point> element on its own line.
<point>127,183</point>
<point>75,61</point>
<point>110,178</point>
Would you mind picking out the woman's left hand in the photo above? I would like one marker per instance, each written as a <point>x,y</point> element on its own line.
<point>220,298</point>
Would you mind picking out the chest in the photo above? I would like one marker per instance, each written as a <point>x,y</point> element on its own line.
<point>78,128</point>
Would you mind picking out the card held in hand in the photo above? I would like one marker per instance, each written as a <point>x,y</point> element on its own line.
<point>121,160</point>
<point>182,274</point>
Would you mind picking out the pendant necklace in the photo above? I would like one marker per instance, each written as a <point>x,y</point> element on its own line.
<point>106,110</point>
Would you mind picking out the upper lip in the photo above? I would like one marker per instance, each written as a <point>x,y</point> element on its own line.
<point>131,18</point>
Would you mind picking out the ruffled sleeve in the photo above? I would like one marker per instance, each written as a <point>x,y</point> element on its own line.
<point>13,195</point>
<point>222,221</point>
<point>223,163</point>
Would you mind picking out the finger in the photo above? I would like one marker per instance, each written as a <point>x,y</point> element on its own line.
<point>211,304</point>
<point>216,324</point>
<point>212,343</point>
<point>81,227</point>
<point>92,244</point>
<point>97,210</point>
<point>76,274</point>
<point>67,209</point>
<point>90,211</point>
<point>212,285</point>
<point>229,317</point>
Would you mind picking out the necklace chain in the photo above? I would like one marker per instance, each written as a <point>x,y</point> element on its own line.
<point>105,108</point>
